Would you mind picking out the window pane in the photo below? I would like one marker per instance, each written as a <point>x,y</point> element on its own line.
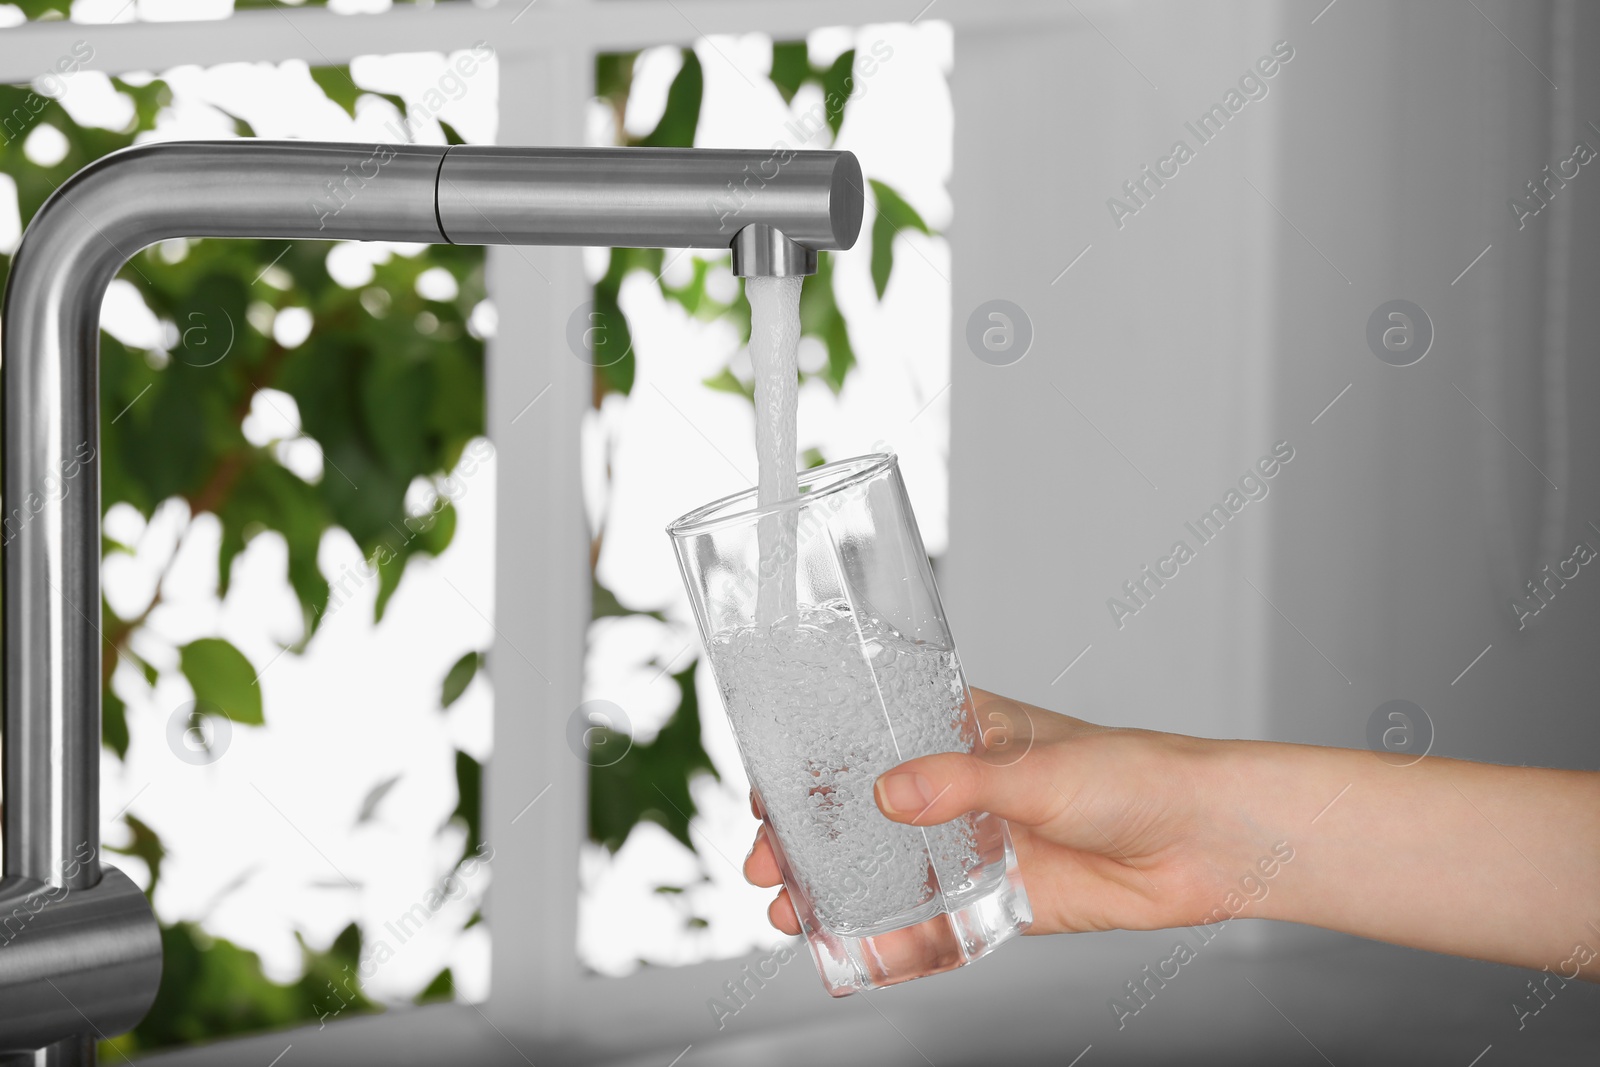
<point>287,425</point>
<point>672,428</point>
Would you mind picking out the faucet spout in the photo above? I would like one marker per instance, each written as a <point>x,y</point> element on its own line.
<point>763,251</point>
<point>775,209</point>
<point>648,197</point>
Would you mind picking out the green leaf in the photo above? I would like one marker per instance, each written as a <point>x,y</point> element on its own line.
<point>617,375</point>
<point>374,797</point>
<point>442,987</point>
<point>148,101</point>
<point>336,83</point>
<point>892,216</point>
<point>811,457</point>
<point>42,9</point>
<point>837,83</point>
<point>265,496</point>
<point>724,381</point>
<point>147,846</point>
<point>396,99</point>
<point>439,529</point>
<point>460,676</point>
<point>790,67</point>
<point>114,723</point>
<point>469,801</point>
<point>222,677</point>
<point>692,295</point>
<point>390,571</point>
<point>453,138</point>
<point>603,603</point>
<point>240,126</point>
<point>396,394</point>
<point>651,782</point>
<point>210,986</point>
<point>821,318</point>
<point>613,76</point>
<point>682,114</point>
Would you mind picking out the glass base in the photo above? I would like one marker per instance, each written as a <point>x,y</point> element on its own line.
<point>967,927</point>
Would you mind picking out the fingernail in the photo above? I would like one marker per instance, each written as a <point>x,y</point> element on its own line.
<point>904,793</point>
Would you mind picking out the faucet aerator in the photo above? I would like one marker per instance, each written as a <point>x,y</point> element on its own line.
<point>763,251</point>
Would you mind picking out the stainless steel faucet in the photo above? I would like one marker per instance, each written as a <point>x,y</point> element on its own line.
<point>80,951</point>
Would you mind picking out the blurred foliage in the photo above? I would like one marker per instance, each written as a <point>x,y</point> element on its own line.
<point>221,677</point>
<point>894,215</point>
<point>820,316</point>
<point>211,987</point>
<point>460,676</point>
<point>42,9</point>
<point>652,783</point>
<point>389,387</point>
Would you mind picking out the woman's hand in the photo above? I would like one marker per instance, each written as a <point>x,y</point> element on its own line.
<point>1131,829</point>
<point>1113,828</point>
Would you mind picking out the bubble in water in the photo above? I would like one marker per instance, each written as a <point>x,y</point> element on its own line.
<point>821,709</point>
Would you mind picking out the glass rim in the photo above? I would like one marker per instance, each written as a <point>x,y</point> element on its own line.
<point>710,516</point>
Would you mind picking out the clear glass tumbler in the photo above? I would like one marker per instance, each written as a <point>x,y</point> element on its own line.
<point>835,663</point>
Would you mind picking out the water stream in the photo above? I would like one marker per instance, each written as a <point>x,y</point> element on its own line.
<point>774,338</point>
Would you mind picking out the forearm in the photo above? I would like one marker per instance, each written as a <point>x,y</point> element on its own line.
<point>1500,863</point>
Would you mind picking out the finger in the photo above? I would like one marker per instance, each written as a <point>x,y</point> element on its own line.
<point>780,913</point>
<point>761,865</point>
<point>936,789</point>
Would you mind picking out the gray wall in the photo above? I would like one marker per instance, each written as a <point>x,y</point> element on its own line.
<point>1422,517</point>
<point>1226,314</point>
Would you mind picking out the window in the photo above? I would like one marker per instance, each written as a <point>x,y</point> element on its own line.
<point>293,450</point>
<point>671,427</point>
<point>537,408</point>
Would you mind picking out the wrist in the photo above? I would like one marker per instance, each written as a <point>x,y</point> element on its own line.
<point>1253,793</point>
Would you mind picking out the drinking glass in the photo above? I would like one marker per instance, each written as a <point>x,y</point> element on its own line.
<point>829,646</point>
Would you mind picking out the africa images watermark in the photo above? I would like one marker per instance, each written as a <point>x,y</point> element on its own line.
<point>52,86</point>
<point>810,520</point>
<point>1253,485</point>
<point>1142,188</point>
<point>804,130</point>
<point>1539,995</point>
<point>737,993</point>
<point>352,580</point>
<point>1541,190</point>
<point>57,485</point>
<point>402,928</point>
<point>1552,580</point>
<point>740,991</point>
<point>1253,888</point>
<point>340,191</point>
<point>13,925</point>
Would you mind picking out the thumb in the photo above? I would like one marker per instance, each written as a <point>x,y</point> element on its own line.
<point>936,789</point>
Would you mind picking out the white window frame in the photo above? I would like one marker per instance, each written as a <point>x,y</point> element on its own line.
<point>541,1002</point>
